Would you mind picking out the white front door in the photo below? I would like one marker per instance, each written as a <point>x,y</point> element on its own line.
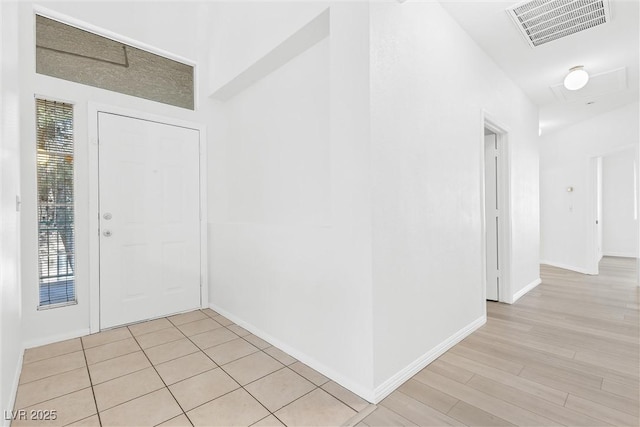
<point>492,217</point>
<point>149,219</point>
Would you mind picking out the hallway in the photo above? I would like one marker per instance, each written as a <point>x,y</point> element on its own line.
<point>565,354</point>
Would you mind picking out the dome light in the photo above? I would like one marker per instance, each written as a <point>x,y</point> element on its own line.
<point>577,78</point>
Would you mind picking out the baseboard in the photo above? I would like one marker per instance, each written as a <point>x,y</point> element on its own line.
<point>568,267</point>
<point>526,289</point>
<point>384,389</point>
<point>358,389</point>
<point>621,254</point>
<point>35,343</point>
<point>14,389</point>
<point>57,338</point>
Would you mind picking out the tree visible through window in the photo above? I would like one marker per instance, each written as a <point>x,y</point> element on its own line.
<point>56,248</point>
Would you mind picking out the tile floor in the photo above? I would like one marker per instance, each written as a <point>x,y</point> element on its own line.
<point>196,368</point>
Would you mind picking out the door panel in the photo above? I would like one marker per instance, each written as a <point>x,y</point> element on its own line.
<point>491,216</point>
<point>149,219</point>
<point>599,215</point>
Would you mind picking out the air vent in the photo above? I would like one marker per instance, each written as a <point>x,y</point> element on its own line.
<point>542,21</point>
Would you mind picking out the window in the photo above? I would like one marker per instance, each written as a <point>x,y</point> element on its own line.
<point>56,237</point>
<point>80,56</point>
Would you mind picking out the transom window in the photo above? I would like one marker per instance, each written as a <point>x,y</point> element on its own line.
<point>73,54</point>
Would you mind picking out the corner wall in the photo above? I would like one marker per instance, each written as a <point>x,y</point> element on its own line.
<point>10,298</point>
<point>564,162</point>
<point>429,85</point>
<point>290,228</point>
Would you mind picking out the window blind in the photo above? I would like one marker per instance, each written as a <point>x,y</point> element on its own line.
<point>56,234</point>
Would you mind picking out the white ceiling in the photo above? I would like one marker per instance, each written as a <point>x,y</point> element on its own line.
<point>600,49</point>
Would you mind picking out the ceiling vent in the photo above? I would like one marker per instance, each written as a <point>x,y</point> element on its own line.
<point>542,21</point>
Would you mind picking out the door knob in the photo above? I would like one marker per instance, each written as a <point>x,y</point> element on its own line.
<point>107,216</point>
<point>106,233</point>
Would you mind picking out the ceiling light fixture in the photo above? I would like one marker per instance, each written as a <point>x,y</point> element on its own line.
<point>577,78</point>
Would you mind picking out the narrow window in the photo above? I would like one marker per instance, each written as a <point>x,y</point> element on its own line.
<point>56,239</point>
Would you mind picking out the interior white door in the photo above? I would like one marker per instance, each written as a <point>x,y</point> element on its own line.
<point>149,219</point>
<point>599,215</point>
<point>492,216</point>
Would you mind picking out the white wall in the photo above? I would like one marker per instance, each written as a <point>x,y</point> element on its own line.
<point>429,84</point>
<point>290,247</point>
<point>291,233</point>
<point>258,27</point>
<point>186,40</point>
<point>620,220</point>
<point>10,308</point>
<point>565,218</point>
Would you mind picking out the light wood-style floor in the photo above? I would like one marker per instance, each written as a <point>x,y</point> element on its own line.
<point>567,353</point>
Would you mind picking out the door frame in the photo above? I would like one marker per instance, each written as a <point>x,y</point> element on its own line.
<point>593,255</point>
<point>637,184</point>
<point>592,266</point>
<point>504,206</point>
<point>94,201</point>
